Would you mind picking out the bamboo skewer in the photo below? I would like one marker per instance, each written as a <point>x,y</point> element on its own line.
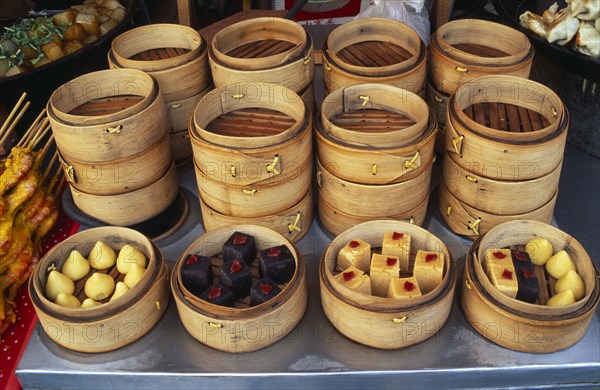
<point>17,119</point>
<point>32,131</point>
<point>6,123</point>
<point>39,135</point>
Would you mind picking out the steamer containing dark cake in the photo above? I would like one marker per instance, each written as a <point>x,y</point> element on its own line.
<point>260,284</point>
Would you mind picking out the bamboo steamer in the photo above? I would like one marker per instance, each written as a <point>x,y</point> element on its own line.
<point>382,322</point>
<point>181,147</point>
<point>437,102</point>
<point>463,50</point>
<point>250,166</point>
<point>242,328</point>
<point>257,200</point>
<point>269,50</point>
<point>518,325</point>
<point>111,325</point>
<point>119,134</point>
<point>468,221</point>
<point>372,201</point>
<point>249,96</point>
<point>131,207</point>
<point>504,159</point>
<point>122,175</point>
<point>180,111</point>
<point>336,221</point>
<point>374,50</point>
<point>498,196</point>
<point>363,164</point>
<point>356,99</point>
<point>292,223</point>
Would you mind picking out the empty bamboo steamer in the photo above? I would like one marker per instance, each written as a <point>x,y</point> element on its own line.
<point>111,325</point>
<point>292,223</point>
<point>224,328</point>
<point>463,50</point>
<point>354,100</point>
<point>468,221</point>
<point>506,128</point>
<point>374,50</point>
<point>107,133</point>
<point>265,50</point>
<point>384,322</point>
<point>506,321</point>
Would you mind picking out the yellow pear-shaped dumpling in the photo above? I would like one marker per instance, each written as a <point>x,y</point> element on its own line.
<point>89,302</point>
<point>102,256</point>
<point>571,281</point>
<point>561,299</point>
<point>99,286</point>
<point>559,264</point>
<point>58,283</point>
<point>134,275</point>
<point>76,266</point>
<point>539,250</point>
<point>120,289</point>
<point>129,255</point>
<point>67,300</point>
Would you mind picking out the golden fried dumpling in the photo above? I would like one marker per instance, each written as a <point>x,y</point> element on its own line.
<point>587,40</point>
<point>550,14</point>
<point>585,9</point>
<point>534,23</point>
<point>563,29</point>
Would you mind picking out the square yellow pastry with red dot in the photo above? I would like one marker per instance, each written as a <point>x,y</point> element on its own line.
<point>355,253</point>
<point>429,270</point>
<point>355,279</point>
<point>383,268</point>
<point>496,258</point>
<point>504,278</point>
<point>402,288</point>
<point>397,244</point>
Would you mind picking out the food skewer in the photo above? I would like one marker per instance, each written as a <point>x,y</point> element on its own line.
<point>6,123</point>
<point>33,130</point>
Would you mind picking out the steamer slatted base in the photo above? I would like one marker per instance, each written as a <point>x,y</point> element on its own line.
<point>159,54</point>
<point>261,48</point>
<point>106,106</point>
<point>506,117</point>
<point>250,122</point>
<point>372,54</point>
<point>373,121</point>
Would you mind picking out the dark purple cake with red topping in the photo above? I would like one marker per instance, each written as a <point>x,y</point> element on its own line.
<point>218,294</point>
<point>262,291</point>
<point>196,274</point>
<point>277,263</point>
<point>236,276</point>
<point>529,288</point>
<point>239,246</point>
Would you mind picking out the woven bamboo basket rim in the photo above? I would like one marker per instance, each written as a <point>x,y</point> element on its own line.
<point>469,187</point>
<point>378,30</point>
<point>526,94</point>
<point>372,232</point>
<point>375,96</point>
<point>560,240</point>
<point>157,36</point>
<point>112,208</point>
<point>83,242</point>
<point>271,96</point>
<point>476,221</point>
<point>274,158</point>
<point>147,166</point>
<point>254,30</point>
<point>479,32</point>
<point>297,219</point>
<point>102,84</point>
<point>264,238</point>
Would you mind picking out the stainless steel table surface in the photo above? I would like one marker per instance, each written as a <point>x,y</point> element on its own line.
<point>314,354</point>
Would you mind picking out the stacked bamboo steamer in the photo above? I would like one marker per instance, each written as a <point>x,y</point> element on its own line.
<point>253,158</point>
<point>463,50</point>
<point>374,50</point>
<point>111,131</point>
<point>264,50</point>
<point>375,154</point>
<point>504,141</point>
<point>176,56</point>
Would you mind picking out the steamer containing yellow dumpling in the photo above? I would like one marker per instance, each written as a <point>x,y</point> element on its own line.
<point>561,309</point>
<point>101,299</point>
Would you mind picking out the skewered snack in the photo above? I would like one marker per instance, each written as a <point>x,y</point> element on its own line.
<point>577,25</point>
<point>35,42</point>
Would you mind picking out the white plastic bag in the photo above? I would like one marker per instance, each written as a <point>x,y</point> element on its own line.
<point>410,12</point>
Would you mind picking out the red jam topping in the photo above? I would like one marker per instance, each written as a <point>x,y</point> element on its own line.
<point>191,260</point>
<point>239,240</point>
<point>408,286</point>
<point>528,274</point>
<point>348,276</point>
<point>520,256</point>
<point>214,292</point>
<point>430,257</point>
<point>499,255</point>
<point>390,261</point>
<point>397,236</point>
<point>265,288</point>
<point>273,252</point>
<point>506,274</point>
<point>354,244</point>
<point>236,266</point>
